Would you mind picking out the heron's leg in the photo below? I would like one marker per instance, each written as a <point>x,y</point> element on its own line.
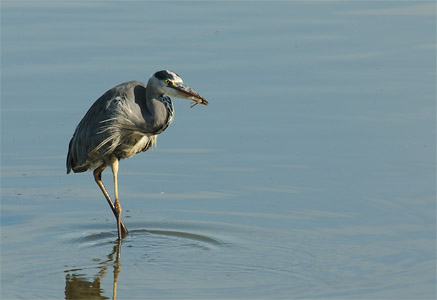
<point>98,178</point>
<point>114,167</point>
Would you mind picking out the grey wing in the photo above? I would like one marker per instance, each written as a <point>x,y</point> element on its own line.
<point>114,125</point>
<point>88,136</point>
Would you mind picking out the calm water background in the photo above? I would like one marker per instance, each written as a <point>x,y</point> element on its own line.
<point>311,174</point>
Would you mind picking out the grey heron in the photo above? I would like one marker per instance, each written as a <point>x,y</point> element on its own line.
<point>124,121</point>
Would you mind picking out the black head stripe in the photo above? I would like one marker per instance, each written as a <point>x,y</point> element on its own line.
<point>164,74</point>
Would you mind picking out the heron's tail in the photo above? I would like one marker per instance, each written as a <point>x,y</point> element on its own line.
<point>69,161</point>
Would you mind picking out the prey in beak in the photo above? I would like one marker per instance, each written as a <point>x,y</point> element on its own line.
<point>184,91</point>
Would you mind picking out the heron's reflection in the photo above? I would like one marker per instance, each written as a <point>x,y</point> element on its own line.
<point>77,286</point>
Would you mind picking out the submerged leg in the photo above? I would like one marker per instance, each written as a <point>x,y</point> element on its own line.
<point>98,178</point>
<point>114,167</point>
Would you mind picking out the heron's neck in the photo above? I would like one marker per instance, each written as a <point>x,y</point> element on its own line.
<point>161,110</point>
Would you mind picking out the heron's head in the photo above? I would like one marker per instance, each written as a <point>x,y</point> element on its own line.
<point>169,83</point>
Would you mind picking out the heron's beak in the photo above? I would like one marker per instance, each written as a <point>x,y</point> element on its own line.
<point>185,92</point>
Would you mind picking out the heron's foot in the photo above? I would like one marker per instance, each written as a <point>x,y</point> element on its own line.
<point>124,230</point>
<point>121,228</point>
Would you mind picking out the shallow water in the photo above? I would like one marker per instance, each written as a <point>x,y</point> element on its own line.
<point>311,174</point>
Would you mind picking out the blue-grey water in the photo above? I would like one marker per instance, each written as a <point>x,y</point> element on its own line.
<point>311,174</point>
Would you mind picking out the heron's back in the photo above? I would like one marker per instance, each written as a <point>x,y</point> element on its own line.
<point>114,125</point>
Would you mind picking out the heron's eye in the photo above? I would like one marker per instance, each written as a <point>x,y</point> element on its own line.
<point>167,82</point>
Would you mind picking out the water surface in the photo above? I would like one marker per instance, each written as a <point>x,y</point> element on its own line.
<point>311,174</point>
